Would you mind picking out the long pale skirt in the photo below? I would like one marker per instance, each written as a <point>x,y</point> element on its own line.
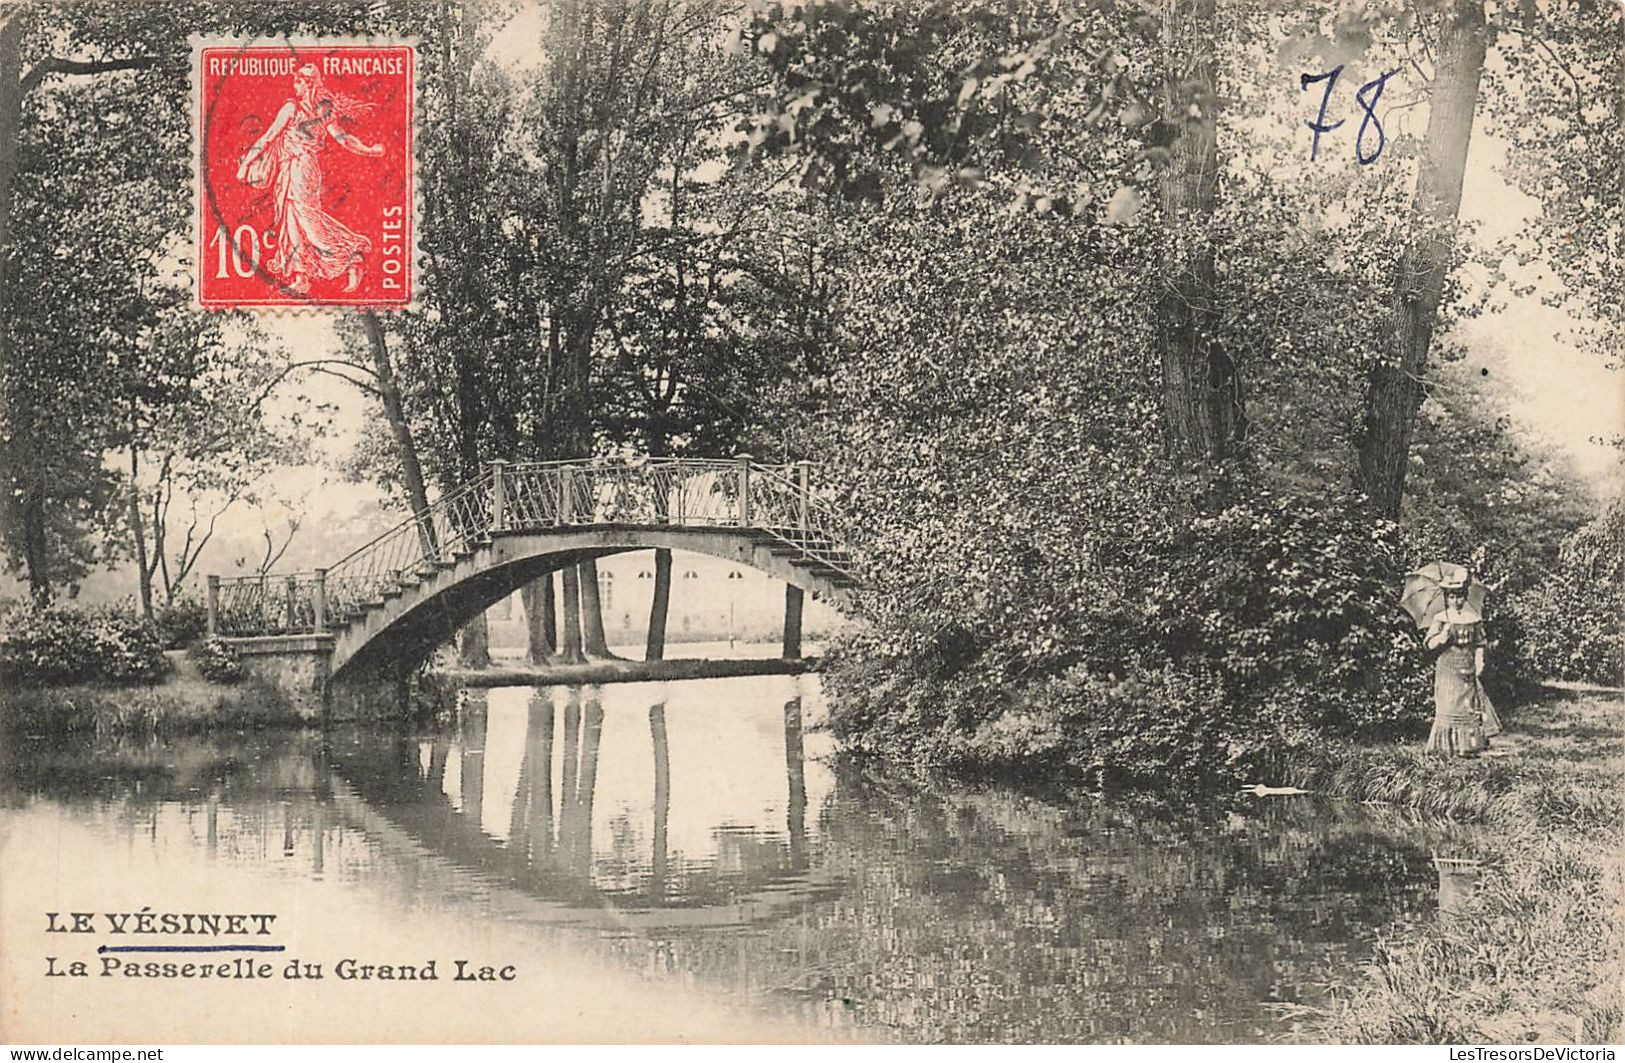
<point>1463,716</point>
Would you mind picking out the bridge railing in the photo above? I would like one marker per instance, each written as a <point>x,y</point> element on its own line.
<point>534,496</point>
<point>266,604</point>
<point>680,491</point>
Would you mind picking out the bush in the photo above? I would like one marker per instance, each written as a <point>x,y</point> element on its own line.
<point>1233,630</point>
<point>217,661</point>
<point>1291,601</point>
<point>1160,724</point>
<point>1566,630</point>
<point>41,647</point>
<point>182,622</point>
<point>1566,625</point>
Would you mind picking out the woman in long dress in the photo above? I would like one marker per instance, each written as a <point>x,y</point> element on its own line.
<point>1463,717</point>
<point>287,157</point>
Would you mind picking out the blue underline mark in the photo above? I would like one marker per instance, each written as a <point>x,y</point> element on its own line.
<point>101,949</point>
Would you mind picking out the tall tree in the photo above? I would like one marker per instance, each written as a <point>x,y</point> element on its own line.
<point>624,91</point>
<point>1395,388</point>
<point>956,93</point>
<point>1203,418</point>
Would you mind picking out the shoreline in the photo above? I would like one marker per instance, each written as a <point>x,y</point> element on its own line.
<point>1516,962</point>
<point>623,671</point>
<point>1519,962</point>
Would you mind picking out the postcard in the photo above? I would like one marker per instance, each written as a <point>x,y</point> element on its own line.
<point>668,521</point>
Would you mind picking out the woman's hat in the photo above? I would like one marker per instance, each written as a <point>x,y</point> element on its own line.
<point>1454,581</point>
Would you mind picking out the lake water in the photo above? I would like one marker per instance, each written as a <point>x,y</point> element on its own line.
<point>686,861</point>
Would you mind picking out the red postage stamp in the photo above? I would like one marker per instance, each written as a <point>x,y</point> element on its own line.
<point>305,174</point>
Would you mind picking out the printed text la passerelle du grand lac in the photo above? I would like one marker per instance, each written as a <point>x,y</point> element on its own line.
<point>146,943</point>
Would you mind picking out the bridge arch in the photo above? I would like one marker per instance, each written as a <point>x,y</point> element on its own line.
<point>407,626</point>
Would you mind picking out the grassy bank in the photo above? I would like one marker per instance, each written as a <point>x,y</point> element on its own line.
<point>183,702</point>
<point>1538,954</point>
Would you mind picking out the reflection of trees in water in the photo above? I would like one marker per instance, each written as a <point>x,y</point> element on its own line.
<point>994,916</point>
<point>552,851</point>
<point>960,915</point>
<point>250,796</point>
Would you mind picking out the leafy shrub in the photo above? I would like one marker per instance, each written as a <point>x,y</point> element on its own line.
<point>182,622</point>
<point>1233,630</point>
<point>1291,601</point>
<point>217,660</point>
<point>1568,630</point>
<point>63,645</point>
<point>1164,724</point>
<point>1566,625</point>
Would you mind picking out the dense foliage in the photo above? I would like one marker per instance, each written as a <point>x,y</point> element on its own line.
<point>1050,588</point>
<point>181,622</point>
<point>1568,621</point>
<point>217,660</point>
<point>47,646</point>
<point>1055,584</point>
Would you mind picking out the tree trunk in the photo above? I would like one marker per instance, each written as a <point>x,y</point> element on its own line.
<point>794,600</point>
<point>654,647</point>
<point>36,547</point>
<point>139,531</point>
<point>11,106</point>
<point>474,648</point>
<point>570,646</point>
<point>540,630</point>
<point>417,494</point>
<point>28,494</point>
<point>592,612</point>
<point>1394,386</point>
<point>1202,413</point>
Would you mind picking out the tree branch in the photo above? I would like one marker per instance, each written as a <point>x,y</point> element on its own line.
<point>57,65</point>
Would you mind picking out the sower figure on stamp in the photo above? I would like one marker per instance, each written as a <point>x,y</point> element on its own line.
<point>287,158</point>
<point>1447,606</point>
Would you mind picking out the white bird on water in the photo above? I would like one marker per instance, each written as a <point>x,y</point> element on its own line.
<point>1258,789</point>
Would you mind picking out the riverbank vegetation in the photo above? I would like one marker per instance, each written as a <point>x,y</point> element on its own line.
<point>1538,951</point>
<point>56,645</point>
<point>1136,475</point>
<point>182,702</point>
<point>110,670</point>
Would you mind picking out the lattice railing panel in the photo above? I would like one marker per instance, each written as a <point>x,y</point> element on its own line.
<point>534,496</point>
<point>265,605</point>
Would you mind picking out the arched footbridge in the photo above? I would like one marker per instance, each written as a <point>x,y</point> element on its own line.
<point>391,601</point>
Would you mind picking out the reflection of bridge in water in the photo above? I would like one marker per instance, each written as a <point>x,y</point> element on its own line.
<point>940,912</point>
<point>513,794</point>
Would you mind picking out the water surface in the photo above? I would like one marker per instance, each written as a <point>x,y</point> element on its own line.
<point>684,860</point>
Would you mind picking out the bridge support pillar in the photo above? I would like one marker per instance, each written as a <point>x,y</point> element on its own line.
<point>794,599</point>
<point>318,601</point>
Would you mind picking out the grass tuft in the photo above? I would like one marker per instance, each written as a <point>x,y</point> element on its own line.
<point>1537,954</point>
